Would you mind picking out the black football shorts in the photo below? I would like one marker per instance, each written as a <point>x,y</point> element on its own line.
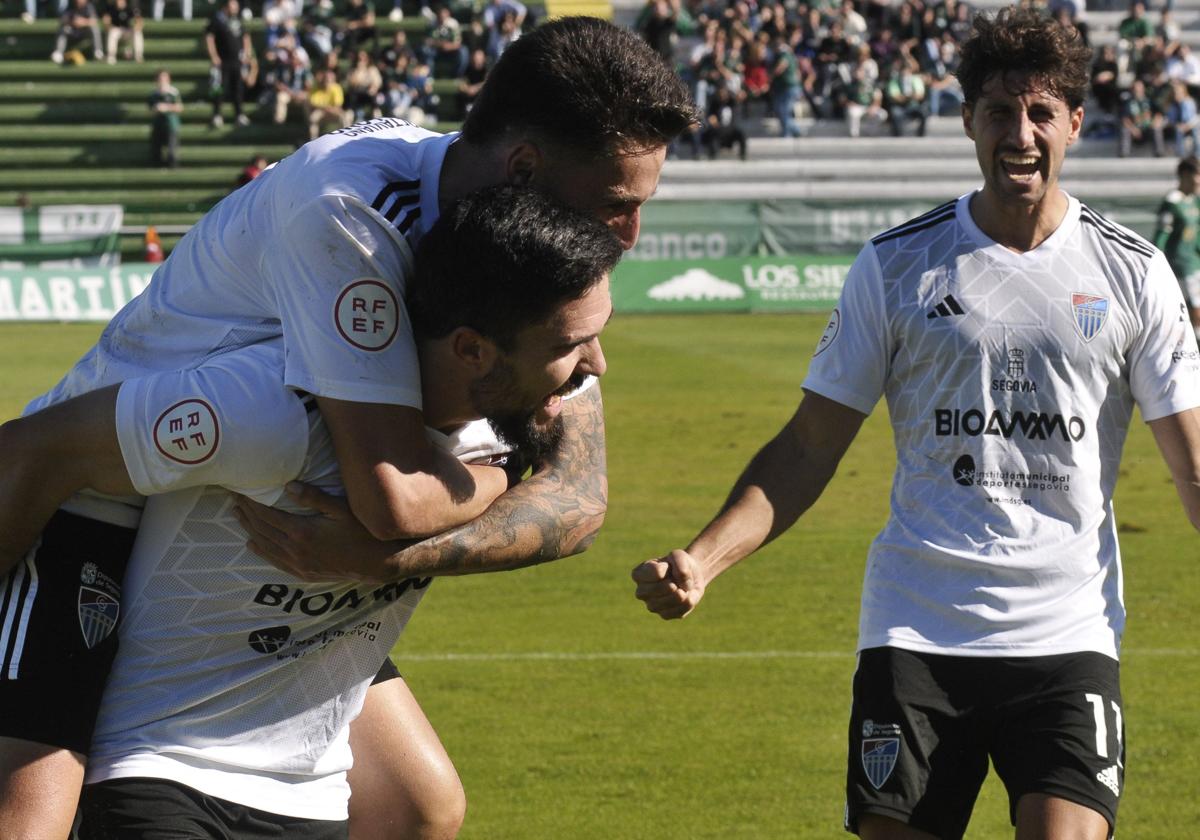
<point>923,727</point>
<point>59,610</point>
<point>159,809</point>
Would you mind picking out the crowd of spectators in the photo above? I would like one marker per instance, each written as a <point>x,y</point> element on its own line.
<point>869,62</point>
<point>316,65</point>
<point>889,64</point>
<point>879,65</point>
<point>328,70</point>
<point>1145,86</point>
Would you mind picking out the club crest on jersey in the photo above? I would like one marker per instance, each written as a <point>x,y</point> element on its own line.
<point>367,315</point>
<point>831,332</point>
<point>1090,312</point>
<point>98,614</point>
<point>188,432</point>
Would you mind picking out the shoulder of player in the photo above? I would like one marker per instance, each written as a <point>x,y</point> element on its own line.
<point>389,184</point>
<point>1115,235</point>
<point>937,216</point>
<point>1173,198</point>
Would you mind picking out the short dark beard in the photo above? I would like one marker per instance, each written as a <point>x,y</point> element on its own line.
<point>534,442</point>
<point>514,426</point>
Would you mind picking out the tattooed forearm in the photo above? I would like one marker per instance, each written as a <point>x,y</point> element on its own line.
<point>554,513</point>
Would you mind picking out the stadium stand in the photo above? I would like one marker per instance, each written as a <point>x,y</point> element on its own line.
<point>824,164</point>
<point>78,134</point>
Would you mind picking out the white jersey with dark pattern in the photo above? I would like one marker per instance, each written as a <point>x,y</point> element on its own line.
<point>316,250</point>
<point>1010,382</point>
<point>232,677</point>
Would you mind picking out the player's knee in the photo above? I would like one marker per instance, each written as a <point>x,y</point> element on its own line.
<point>440,814</point>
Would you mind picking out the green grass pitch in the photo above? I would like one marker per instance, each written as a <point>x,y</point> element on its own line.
<point>572,713</point>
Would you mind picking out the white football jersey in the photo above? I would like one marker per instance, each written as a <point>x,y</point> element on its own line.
<point>232,677</point>
<point>316,250</point>
<point>1010,382</point>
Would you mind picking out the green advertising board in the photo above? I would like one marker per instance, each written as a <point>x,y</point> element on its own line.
<point>735,284</point>
<point>70,294</point>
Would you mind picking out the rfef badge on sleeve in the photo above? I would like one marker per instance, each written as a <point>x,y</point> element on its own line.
<point>367,314</point>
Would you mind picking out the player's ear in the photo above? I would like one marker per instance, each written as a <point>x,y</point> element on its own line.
<point>967,114</point>
<point>1076,124</point>
<point>473,350</point>
<point>522,163</point>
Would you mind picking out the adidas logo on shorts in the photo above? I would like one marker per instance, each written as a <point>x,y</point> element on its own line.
<point>1108,778</point>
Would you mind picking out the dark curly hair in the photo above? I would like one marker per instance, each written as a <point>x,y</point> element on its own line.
<point>1019,44</point>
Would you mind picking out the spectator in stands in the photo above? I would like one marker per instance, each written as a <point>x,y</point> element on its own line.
<point>959,25</point>
<point>1182,119</point>
<point>1136,31</point>
<point>832,61</point>
<point>388,55</point>
<point>720,129</point>
<point>884,48</point>
<point>756,78</point>
<point>785,88</point>
<point>124,20</point>
<point>928,50</point>
<point>185,9</point>
<point>656,23</point>
<point>363,84</point>
<point>501,37</point>
<point>904,95</point>
<point>78,22</point>
<point>492,13</point>
<point>739,18</point>
<point>772,21</point>
<point>167,105</point>
<point>279,17</point>
<point>424,101</point>
<point>228,46</point>
<point>31,10</point>
<point>862,99</point>
<point>906,25</point>
<point>325,104</point>
<point>807,36</point>
<point>320,33</point>
<point>942,84</point>
<point>1168,29</point>
<point>395,100</point>
<point>360,25</point>
<point>1104,85</point>
<point>713,71</point>
<point>1065,19</point>
<point>286,80</point>
<point>853,24</point>
<point>472,81</point>
<point>1183,65</point>
<point>1139,121</point>
<point>1069,15</point>
<point>878,13</point>
<point>697,62</point>
<point>252,169</point>
<point>443,47</point>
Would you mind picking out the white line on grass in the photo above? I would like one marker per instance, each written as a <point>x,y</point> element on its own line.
<point>579,656</point>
